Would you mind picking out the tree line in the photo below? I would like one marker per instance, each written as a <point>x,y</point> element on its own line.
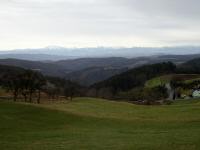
<point>29,85</point>
<point>25,83</point>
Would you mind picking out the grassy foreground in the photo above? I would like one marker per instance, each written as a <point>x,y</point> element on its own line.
<point>93,124</point>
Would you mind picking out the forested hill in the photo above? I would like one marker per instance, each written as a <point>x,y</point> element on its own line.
<point>136,77</point>
<point>43,67</point>
<point>190,67</point>
<point>4,69</point>
<point>88,71</point>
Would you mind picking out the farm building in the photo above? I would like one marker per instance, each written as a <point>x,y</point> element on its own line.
<point>196,93</point>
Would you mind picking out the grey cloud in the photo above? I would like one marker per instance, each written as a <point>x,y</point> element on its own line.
<point>151,21</point>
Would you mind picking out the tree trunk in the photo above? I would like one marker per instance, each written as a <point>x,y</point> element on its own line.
<point>30,97</point>
<point>15,96</point>
<point>25,97</point>
<point>39,95</point>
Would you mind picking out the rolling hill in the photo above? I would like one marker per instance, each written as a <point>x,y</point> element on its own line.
<point>89,124</point>
<point>45,68</point>
<point>92,75</point>
<point>191,66</point>
<point>136,77</point>
<point>122,62</point>
<point>92,70</point>
<point>4,69</point>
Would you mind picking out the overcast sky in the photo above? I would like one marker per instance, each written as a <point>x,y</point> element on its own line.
<point>88,23</point>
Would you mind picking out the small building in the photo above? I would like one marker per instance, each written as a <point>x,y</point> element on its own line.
<point>196,94</point>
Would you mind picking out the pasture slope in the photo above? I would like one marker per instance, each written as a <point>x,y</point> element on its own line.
<point>95,124</point>
<point>162,80</point>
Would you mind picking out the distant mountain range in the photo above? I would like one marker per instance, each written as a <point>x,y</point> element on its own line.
<point>88,71</point>
<point>32,57</point>
<point>54,53</point>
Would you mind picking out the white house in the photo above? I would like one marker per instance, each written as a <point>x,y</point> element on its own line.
<point>196,94</point>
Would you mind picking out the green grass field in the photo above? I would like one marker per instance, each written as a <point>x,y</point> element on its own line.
<point>94,124</point>
<point>192,80</point>
<point>162,80</point>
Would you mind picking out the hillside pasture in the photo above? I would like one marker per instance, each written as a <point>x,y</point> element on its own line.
<point>89,124</point>
<point>162,80</point>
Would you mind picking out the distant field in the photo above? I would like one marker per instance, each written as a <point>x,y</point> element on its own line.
<point>192,80</point>
<point>158,81</point>
<point>187,78</point>
<point>95,124</point>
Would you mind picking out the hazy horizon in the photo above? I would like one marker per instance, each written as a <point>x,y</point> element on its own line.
<point>59,53</point>
<point>100,46</point>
